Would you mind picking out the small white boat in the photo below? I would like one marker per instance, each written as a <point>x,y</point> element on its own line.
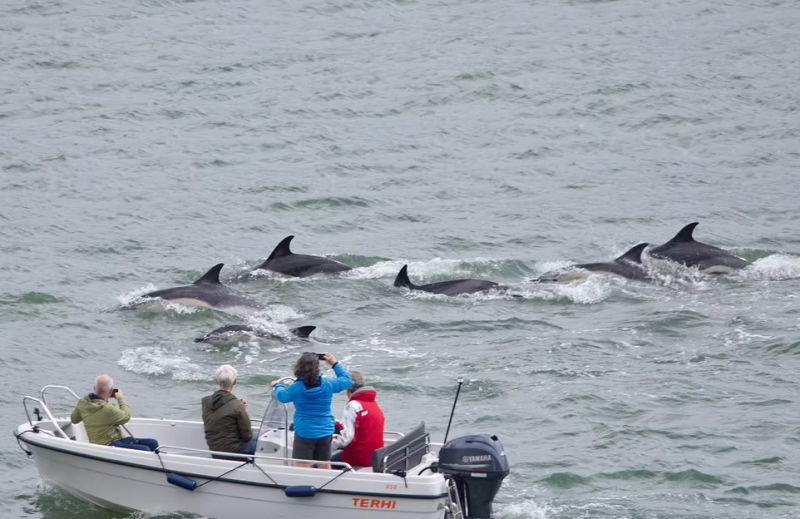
<point>410,478</point>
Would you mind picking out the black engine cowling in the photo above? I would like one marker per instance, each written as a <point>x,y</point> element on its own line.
<point>478,465</point>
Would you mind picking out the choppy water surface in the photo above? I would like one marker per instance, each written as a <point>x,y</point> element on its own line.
<point>144,141</point>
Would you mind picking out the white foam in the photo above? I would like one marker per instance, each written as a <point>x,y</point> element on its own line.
<point>159,362</point>
<point>593,289</point>
<point>274,313</point>
<point>772,268</point>
<point>136,295</point>
<point>527,509</point>
<point>418,271</point>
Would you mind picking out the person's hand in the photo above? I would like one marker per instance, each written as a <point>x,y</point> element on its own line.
<point>244,402</point>
<point>273,383</point>
<point>330,359</point>
<point>118,394</point>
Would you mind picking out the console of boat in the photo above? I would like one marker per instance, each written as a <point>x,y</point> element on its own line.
<point>410,477</point>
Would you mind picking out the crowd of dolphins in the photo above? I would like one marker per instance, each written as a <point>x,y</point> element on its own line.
<point>208,291</point>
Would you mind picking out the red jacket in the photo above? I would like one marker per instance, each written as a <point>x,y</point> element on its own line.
<point>362,432</point>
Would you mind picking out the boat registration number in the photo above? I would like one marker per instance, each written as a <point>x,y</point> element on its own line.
<point>374,503</point>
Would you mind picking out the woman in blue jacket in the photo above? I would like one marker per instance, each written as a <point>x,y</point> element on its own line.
<point>312,394</point>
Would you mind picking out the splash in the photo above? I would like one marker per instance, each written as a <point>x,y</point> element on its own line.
<point>419,269</point>
<point>527,509</point>
<point>592,290</point>
<point>772,268</point>
<point>159,362</point>
<point>273,314</point>
<point>135,296</point>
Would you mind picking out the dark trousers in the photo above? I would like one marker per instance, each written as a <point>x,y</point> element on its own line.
<point>140,444</point>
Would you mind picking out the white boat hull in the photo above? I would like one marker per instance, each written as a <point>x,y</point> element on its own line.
<point>136,480</point>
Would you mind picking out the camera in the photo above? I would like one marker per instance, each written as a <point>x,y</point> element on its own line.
<point>114,392</point>
<point>321,356</point>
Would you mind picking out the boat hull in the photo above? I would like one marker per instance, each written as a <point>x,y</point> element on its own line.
<point>133,480</point>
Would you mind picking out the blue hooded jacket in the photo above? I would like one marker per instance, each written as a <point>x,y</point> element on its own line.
<point>313,418</point>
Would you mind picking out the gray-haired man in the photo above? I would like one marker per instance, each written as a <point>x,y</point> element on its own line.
<point>225,419</point>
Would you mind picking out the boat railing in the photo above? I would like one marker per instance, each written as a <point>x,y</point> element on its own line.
<point>46,410</point>
<point>244,457</point>
<point>45,388</point>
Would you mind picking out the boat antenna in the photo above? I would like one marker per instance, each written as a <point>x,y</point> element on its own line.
<point>455,401</point>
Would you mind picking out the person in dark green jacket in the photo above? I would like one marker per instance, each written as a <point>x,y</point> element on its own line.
<point>103,419</point>
<point>225,419</point>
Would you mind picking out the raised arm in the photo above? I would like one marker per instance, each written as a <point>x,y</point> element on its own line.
<point>342,380</point>
<point>119,416</point>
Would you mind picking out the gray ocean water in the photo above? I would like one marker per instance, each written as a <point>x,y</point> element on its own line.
<point>143,141</point>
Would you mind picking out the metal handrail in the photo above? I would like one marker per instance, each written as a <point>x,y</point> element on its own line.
<point>248,456</point>
<point>46,410</point>
<point>285,421</point>
<point>45,388</point>
<point>394,433</point>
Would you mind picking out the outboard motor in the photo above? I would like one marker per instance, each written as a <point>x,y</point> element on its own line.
<point>478,465</point>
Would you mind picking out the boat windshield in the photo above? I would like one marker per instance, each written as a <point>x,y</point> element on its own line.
<point>277,416</point>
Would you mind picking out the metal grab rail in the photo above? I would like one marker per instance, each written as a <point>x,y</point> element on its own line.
<point>161,448</point>
<point>45,388</point>
<point>285,420</point>
<point>46,410</point>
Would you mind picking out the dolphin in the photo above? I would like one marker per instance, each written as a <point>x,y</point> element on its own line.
<point>448,288</point>
<point>706,258</point>
<point>284,261</point>
<point>629,266</point>
<point>209,292</point>
<point>247,333</point>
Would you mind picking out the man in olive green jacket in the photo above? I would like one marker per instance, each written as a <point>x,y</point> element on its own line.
<point>225,420</point>
<point>102,418</point>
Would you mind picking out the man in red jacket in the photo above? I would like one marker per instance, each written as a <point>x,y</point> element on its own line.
<point>362,425</point>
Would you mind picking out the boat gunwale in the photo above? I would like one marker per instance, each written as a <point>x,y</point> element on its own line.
<point>46,445</point>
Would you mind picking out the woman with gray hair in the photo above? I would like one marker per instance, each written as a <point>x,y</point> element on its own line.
<point>312,394</point>
<point>225,419</point>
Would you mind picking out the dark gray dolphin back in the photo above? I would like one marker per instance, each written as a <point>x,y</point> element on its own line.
<point>209,291</point>
<point>224,333</point>
<point>303,331</point>
<point>634,254</point>
<point>282,249</point>
<point>629,266</point>
<point>211,277</point>
<point>284,261</point>
<point>402,281</point>
<point>684,249</point>
<point>448,288</point>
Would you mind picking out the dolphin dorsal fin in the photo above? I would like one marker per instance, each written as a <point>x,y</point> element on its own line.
<point>303,331</point>
<point>402,278</point>
<point>685,234</point>
<point>211,277</point>
<point>634,254</point>
<point>282,249</point>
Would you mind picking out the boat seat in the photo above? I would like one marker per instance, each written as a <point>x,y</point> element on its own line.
<point>80,432</point>
<point>404,454</point>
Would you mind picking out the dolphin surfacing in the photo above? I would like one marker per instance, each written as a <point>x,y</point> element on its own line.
<point>247,333</point>
<point>683,249</point>
<point>209,292</point>
<point>628,266</point>
<point>284,261</point>
<point>448,288</point>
